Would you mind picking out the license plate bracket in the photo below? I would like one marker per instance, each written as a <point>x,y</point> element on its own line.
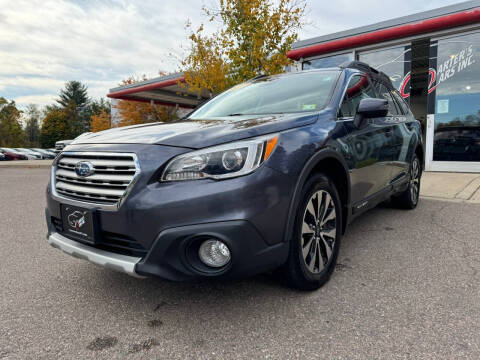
<point>78,223</point>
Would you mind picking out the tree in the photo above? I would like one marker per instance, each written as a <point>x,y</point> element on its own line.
<point>55,127</point>
<point>98,106</point>
<point>32,127</point>
<point>100,115</point>
<point>75,92</point>
<point>11,133</point>
<point>101,121</point>
<point>254,38</point>
<point>74,100</point>
<point>134,112</point>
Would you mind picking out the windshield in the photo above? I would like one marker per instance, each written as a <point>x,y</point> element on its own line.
<point>293,93</point>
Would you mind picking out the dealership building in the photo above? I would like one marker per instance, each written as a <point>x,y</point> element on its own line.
<point>432,58</point>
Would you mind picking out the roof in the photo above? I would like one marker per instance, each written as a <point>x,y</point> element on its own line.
<point>442,18</point>
<point>374,73</point>
<point>163,90</point>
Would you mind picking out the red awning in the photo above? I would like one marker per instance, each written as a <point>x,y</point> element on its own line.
<point>164,90</point>
<point>396,32</point>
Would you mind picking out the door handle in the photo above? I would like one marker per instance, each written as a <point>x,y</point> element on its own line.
<point>388,132</point>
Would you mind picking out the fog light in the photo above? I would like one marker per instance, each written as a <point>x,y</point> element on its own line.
<point>214,253</point>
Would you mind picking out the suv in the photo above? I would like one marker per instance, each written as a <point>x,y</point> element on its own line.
<point>266,175</point>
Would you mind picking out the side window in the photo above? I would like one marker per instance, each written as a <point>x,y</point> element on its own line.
<point>403,105</point>
<point>384,92</point>
<point>359,87</point>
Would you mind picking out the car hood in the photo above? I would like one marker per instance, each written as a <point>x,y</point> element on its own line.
<point>197,134</point>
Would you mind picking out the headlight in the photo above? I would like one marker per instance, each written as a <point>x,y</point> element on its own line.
<point>220,162</point>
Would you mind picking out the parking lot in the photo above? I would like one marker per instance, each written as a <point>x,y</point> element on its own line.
<point>407,286</point>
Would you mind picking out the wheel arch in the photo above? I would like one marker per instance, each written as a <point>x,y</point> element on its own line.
<point>420,152</point>
<point>330,163</point>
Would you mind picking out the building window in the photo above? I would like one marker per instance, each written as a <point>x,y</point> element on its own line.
<point>454,97</point>
<point>326,62</point>
<point>395,62</point>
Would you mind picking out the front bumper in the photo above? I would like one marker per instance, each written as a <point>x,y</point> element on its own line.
<point>170,256</point>
<point>248,213</point>
<point>100,257</point>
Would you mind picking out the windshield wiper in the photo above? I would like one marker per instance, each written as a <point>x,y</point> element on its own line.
<point>236,114</point>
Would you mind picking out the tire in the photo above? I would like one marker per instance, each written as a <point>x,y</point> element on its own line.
<point>314,246</point>
<point>408,199</point>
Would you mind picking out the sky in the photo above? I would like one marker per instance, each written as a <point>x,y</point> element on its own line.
<point>44,43</point>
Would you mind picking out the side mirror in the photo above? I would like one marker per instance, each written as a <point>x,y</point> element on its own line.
<point>370,108</point>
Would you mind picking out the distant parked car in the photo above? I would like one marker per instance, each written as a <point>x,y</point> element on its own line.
<point>11,154</point>
<point>31,155</point>
<point>59,145</point>
<point>46,154</point>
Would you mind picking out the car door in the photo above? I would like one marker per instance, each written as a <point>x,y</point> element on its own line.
<point>363,146</point>
<point>394,151</point>
<point>406,133</point>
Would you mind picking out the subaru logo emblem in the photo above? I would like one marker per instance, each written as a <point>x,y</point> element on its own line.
<point>84,168</point>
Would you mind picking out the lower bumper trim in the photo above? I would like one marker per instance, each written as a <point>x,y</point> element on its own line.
<point>103,258</point>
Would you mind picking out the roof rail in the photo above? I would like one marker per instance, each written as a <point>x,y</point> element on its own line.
<point>358,65</point>
<point>259,76</point>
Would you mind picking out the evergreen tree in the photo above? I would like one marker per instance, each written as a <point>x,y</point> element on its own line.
<point>75,92</point>
<point>74,102</point>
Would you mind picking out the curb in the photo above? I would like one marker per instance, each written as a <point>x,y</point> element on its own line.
<point>453,200</point>
<point>26,164</point>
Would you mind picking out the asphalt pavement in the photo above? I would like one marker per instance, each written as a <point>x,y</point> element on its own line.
<point>407,286</point>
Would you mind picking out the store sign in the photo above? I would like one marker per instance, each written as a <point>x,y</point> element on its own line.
<point>457,63</point>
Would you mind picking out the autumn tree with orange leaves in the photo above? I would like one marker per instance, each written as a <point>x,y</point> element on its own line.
<point>254,38</point>
<point>101,121</point>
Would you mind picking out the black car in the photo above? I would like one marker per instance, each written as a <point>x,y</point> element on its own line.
<point>265,175</point>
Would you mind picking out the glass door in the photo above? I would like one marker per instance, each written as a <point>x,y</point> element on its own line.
<point>453,122</point>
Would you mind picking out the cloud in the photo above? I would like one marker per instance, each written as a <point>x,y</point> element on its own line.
<point>44,43</point>
<point>35,99</point>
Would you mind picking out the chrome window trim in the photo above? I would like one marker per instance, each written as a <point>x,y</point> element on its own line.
<point>91,205</point>
<point>356,73</point>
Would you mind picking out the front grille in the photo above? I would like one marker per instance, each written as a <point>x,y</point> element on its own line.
<point>57,223</point>
<point>116,243</point>
<point>121,244</point>
<point>113,174</point>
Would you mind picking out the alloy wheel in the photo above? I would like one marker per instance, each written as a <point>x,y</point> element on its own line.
<point>415,181</point>
<point>319,231</point>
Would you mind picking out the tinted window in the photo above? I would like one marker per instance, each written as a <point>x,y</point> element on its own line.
<point>298,92</point>
<point>384,93</point>
<point>359,87</point>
